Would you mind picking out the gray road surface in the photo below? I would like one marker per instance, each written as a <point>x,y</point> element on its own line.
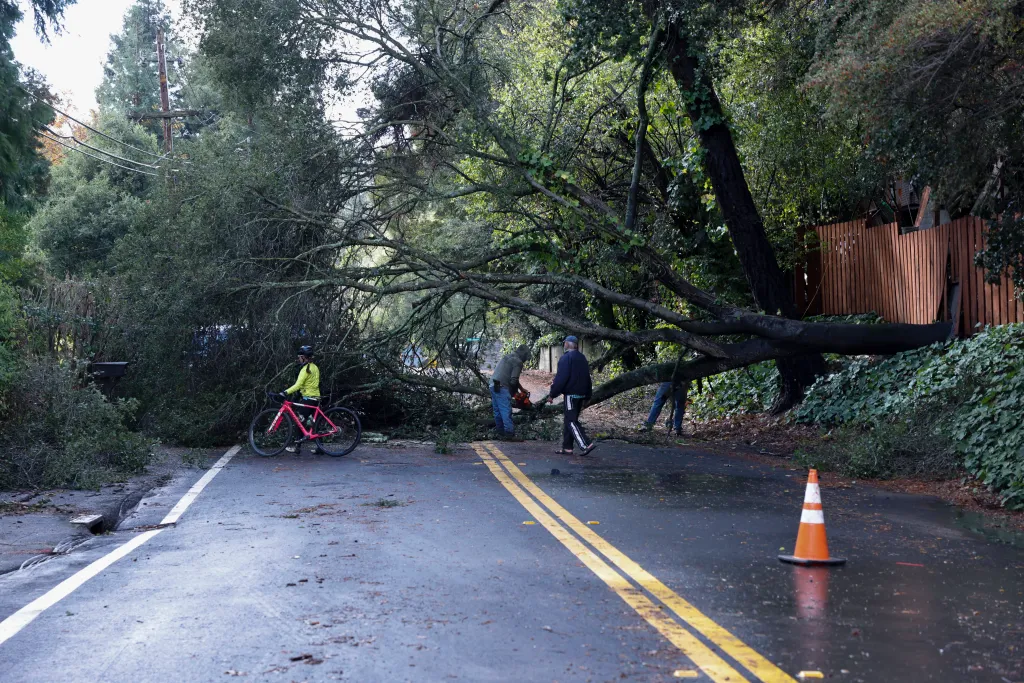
<point>289,569</point>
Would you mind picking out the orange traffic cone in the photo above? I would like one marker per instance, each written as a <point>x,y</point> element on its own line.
<point>811,544</point>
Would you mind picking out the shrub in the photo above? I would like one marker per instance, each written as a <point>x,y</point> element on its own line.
<point>915,445</point>
<point>63,432</point>
<point>748,390</point>
<point>10,324</point>
<point>451,436</point>
<point>209,419</point>
<point>976,384</point>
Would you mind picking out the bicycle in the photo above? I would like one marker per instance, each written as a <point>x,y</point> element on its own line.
<point>336,431</point>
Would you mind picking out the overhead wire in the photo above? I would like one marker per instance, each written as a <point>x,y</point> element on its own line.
<point>51,131</point>
<point>97,158</point>
<point>86,125</point>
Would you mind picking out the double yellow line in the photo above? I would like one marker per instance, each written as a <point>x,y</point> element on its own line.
<point>539,504</point>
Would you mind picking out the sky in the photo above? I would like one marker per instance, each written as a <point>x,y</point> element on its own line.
<point>73,61</point>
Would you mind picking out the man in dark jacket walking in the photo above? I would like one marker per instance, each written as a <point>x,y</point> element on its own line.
<point>573,380</point>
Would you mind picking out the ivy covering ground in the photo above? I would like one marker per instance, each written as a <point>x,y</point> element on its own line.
<point>968,394</point>
<point>752,389</point>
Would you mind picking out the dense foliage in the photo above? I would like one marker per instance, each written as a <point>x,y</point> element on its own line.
<point>966,393</point>
<point>750,390</point>
<point>64,433</point>
<point>375,176</point>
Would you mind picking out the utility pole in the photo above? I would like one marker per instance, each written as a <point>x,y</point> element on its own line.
<point>165,98</point>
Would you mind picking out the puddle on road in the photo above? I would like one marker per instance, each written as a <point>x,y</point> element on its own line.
<point>984,526</point>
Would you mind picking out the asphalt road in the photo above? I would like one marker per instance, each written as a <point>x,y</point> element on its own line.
<point>401,565</point>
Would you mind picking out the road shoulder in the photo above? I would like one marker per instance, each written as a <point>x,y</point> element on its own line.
<point>36,525</point>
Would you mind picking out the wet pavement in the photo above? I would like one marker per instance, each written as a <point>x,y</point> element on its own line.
<point>399,564</point>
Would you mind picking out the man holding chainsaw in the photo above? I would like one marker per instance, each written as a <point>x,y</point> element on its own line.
<point>504,385</point>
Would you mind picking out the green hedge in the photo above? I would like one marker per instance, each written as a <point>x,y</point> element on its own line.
<point>975,385</point>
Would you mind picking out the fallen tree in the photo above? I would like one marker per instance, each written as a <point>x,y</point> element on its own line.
<point>501,172</point>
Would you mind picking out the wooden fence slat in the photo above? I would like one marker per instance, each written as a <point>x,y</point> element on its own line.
<point>858,253</point>
<point>926,281</point>
<point>862,259</point>
<point>913,265</point>
<point>848,304</point>
<point>917,274</point>
<point>844,265</point>
<point>887,280</point>
<point>826,285</point>
<point>971,308</point>
<point>1018,305</point>
<point>982,297</point>
<point>851,252</point>
<point>958,273</point>
<point>838,275</point>
<point>965,285</point>
<point>871,259</point>
<point>954,265</point>
<point>901,275</point>
<point>970,274</point>
<point>851,260</point>
<point>893,279</point>
<point>967,288</point>
<point>823,250</point>
<point>990,294</point>
<point>888,276</point>
<point>837,270</point>
<point>826,270</point>
<point>882,276</point>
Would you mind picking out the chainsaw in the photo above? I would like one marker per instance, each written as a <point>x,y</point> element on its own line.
<point>521,399</point>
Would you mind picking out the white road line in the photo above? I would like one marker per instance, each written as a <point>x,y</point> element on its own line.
<point>23,617</point>
<point>194,492</point>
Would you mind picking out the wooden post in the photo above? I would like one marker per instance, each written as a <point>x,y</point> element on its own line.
<point>165,98</point>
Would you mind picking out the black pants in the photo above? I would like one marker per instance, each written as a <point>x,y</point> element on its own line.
<point>302,412</point>
<point>572,430</point>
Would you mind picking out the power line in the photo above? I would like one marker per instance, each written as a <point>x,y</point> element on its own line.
<point>93,156</point>
<point>86,125</point>
<point>51,131</point>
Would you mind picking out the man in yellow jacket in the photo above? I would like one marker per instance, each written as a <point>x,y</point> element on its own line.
<point>307,386</point>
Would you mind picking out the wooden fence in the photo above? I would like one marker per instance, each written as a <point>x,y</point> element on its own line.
<point>920,277</point>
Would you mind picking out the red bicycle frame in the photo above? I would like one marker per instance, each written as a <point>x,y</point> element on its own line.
<point>286,409</point>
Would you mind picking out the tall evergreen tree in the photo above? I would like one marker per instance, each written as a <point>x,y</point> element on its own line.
<point>131,75</point>
<point>21,167</point>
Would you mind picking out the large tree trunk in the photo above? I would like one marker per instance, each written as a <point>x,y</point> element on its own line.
<point>767,282</point>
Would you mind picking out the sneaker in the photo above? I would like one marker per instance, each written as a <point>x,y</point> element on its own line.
<point>644,427</point>
<point>292,449</point>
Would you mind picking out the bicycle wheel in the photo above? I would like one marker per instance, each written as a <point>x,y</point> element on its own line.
<point>266,439</point>
<point>344,437</point>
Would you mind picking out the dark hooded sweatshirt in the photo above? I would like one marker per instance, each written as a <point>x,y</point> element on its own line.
<point>572,377</point>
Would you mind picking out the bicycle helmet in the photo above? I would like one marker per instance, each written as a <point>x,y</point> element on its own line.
<point>306,351</point>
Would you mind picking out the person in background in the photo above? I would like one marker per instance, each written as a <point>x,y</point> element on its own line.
<point>505,383</point>
<point>572,379</point>
<point>307,386</point>
<point>678,393</point>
